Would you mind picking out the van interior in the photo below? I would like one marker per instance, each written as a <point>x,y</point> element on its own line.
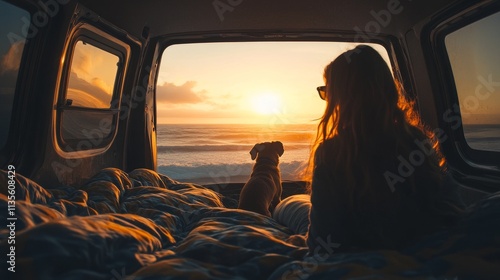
<point>125,128</point>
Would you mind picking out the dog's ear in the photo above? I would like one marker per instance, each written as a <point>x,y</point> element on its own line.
<point>254,151</point>
<point>279,147</point>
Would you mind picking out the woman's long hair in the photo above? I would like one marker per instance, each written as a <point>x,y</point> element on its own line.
<point>371,120</point>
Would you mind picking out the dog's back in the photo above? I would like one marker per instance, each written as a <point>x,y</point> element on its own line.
<point>263,190</point>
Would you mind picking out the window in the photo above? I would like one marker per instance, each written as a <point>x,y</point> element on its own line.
<point>475,62</point>
<point>92,77</point>
<point>216,100</point>
<point>89,103</point>
<point>12,41</point>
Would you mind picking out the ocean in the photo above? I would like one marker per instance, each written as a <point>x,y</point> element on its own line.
<point>483,136</point>
<point>219,153</point>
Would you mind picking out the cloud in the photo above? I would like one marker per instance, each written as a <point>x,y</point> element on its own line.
<point>183,94</point>
<point>8,81</point>
<point>102,85</point>
<point>9,66</point>
<point>11,60</point>
<point>87,94</point>
<point>82,63</point>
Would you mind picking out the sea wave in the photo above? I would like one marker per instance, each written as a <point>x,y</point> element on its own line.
<point>237,133</point>
<point>225,173</point>
<point>493,139</point>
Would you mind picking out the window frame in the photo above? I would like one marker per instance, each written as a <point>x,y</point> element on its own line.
<point>398,62</point>
<point>89,40</point>
<point>89,34</point>
<point>482,159</point>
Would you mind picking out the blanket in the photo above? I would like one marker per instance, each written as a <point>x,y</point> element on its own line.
<point>144,225</point>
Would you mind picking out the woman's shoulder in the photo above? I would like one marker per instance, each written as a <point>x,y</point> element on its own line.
<point>325,150</point>
<point>329,144</point>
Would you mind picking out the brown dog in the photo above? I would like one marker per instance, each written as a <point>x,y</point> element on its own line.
<point>263,190</point>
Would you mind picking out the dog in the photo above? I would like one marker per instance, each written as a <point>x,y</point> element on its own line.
<point>263,190</point>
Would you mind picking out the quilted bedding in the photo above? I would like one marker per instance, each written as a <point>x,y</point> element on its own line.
<point>144,225</point>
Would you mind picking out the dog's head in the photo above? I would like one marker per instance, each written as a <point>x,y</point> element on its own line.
<point>267,148</point>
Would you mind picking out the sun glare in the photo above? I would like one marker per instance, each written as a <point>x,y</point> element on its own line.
<point>266,103</point>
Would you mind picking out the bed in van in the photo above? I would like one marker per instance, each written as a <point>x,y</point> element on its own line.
<point>111,129</point>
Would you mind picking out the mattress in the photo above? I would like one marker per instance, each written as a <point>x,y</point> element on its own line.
<point>144,225</point>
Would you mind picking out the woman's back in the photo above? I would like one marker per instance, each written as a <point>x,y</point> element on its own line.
<point>380,216</point>
<point>378,173</point>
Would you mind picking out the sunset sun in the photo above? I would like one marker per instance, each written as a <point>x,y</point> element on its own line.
<point>266,103</point>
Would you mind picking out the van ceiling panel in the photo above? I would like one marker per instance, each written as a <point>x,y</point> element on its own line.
<point>166,17</point>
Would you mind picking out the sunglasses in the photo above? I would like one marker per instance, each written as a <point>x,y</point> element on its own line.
<point>322,92</point>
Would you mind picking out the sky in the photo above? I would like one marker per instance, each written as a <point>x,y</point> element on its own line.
<point>475,60</point>
<point>247,82</point>
<point>265,82</point>
<point>92,71</point>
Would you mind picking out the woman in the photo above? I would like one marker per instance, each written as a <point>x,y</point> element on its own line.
<point>378,178</point>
